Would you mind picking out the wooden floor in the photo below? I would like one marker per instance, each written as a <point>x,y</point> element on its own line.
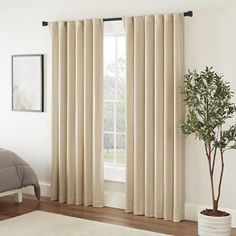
<point>9,209</point>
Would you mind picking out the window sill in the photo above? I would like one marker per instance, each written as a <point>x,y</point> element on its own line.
<point>114,173</point>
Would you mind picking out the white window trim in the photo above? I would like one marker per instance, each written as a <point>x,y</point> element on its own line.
<point>114,173</point>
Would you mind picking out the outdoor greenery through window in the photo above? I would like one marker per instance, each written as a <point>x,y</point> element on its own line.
<point>114,94</point>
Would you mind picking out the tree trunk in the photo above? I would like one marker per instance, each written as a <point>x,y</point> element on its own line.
<point>214,202</point>
<point>215,206</point>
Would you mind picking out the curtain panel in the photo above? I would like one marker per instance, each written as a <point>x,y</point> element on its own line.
<point>155,146</point>
<point>77,105</point>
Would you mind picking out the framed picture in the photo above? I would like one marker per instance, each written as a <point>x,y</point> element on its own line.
<point>27,82</point>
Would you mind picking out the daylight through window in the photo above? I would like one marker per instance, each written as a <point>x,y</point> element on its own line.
<point>114,94</point>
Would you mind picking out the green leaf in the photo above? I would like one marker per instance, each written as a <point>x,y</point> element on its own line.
<point>208,100</point>
<point>233,146</point>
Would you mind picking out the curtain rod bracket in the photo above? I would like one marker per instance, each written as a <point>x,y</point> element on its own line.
<point>187,13</point>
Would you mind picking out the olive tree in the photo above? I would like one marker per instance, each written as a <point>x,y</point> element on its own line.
<point>208,100</point>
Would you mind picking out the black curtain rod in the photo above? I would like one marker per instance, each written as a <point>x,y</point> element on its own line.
<point>187,13</point>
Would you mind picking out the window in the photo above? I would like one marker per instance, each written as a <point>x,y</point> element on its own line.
<point>114,101</point>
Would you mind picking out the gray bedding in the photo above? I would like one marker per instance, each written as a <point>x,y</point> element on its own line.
<point>15,173</point>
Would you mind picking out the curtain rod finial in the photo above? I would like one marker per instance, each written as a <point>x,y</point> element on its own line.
<point>188,13</point>
<point>44,23</point>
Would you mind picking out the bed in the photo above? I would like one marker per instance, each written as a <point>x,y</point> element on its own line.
<point>15,174</point>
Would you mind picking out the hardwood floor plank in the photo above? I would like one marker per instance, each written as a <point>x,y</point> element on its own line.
<point>9,209</point>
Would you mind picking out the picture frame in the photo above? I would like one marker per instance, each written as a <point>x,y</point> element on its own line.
<point>27,82</point>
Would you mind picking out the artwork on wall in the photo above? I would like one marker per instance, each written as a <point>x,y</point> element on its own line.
<point>27,82</point>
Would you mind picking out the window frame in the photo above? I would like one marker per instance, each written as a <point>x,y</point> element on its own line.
<point>114,171</point>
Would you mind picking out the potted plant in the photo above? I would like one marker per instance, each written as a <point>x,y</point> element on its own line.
<point>208,100</point>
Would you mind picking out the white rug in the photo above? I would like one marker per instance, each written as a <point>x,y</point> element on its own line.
<point>39,223</point>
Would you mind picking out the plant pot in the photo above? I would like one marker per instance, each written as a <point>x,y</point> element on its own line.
<point>214,226</point>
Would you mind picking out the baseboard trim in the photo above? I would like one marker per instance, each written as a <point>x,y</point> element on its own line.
<point>192,210</point>
<point>117,200</point>
<point>44,187</point>
<point>111,199</point>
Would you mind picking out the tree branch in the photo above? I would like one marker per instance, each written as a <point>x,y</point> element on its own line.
<point>214,156</point>
<point>214,160</point>
<point>207,155</point>
<point>221,174</point>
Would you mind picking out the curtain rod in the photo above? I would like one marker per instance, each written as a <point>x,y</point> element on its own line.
<point>187,13</point>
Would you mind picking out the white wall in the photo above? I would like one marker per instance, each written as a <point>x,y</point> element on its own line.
<point>210,40</point>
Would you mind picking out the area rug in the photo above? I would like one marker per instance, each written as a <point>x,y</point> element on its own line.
<point>39,223</point>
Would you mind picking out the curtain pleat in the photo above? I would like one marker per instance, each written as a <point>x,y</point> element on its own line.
<point>139,115</point>
<point>62,112</point>
<point>129,21</point>
<point>159,117</point>
<point>168,117</point>
<point>179,112</point>
<point>77,105</point>
<point>149,116</point>
<point>55,111</point>
<point>71,112</point>
<point>79,116</point>
<point>88,112</point>
<point>155,72</point>
<point>98,111</point>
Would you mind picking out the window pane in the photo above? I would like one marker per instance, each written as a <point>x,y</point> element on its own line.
<point>121,88</point>
<point>108,116</point>
<point>109,89</point>
<point>108,148</point>
<point>120,117</point>
<point>110,70</point>
<point>109,49</point>
<point>120,148</point>
<point>121,68</point>
<point>109,57</point>
<point>121,46</point>
<point>114,93</point>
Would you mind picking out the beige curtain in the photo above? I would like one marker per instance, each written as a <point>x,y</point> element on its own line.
<point>155,151</point>
<point>77,98</point>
